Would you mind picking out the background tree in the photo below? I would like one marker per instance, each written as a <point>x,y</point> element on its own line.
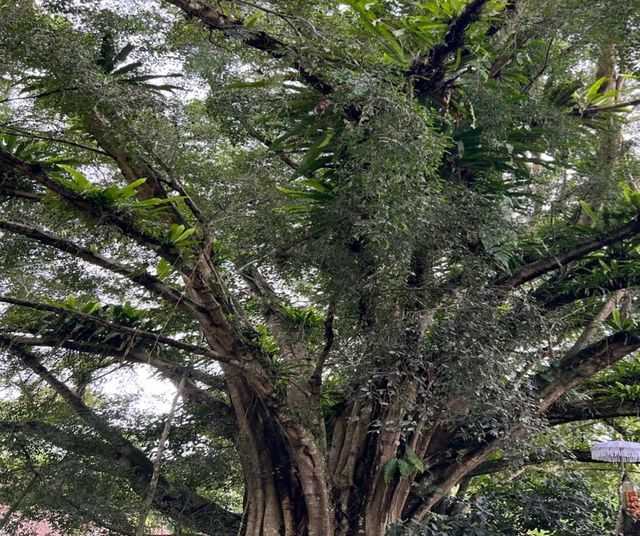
<point>384,242</point>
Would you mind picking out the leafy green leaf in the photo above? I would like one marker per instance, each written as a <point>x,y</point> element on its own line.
<point>129,190</point>
<point>183,237</point>
<point>390,470</point>
<point>405,468</point>
<point>592,92</point>
<point>163,269</point>
<point>175,231</point>
<point>379,29</point>
<point>79,182</point>
<point>252,19</point>
<point>157,202</point>
<point>415,462</point>
<point>588,210</point>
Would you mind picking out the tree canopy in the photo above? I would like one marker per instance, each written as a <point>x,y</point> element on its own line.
<point>380,247</point>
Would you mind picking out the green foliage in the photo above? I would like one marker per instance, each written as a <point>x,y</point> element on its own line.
<point>35,152</point>
<point>267,341</point>
<point>391,469</point>
<point>163,269</point>
<point>332,393</point>
<point>563,95</point>
<point>324,143</point>
<point>303,318</point>
<point>536,503</point>
<point>179,235</point>
<point>594,97</point>
<point>619,323</point>
<point>623,391</point>
<point>403,467</point>
<point>115,196</point>
<point>375,26</point>
<point>500,167</point>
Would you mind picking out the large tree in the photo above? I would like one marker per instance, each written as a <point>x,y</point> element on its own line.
<point>376,242</point>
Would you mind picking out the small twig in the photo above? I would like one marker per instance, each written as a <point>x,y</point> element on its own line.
<point>21,132</point>
<point>285,18</point>
<point>542,69</point>
<point>157,462</point>
<point>329,338</point>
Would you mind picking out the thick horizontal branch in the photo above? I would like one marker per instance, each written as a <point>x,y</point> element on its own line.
<point>260,40</point>
<point>592,110</point>
<point>495,466</point>
<point>574,368</point>
<point>595,408</point>
<point>154,338</point>
<point>540,267</point>
<point>141,277</point>
<point>173,500</point>
<point>112,216</point>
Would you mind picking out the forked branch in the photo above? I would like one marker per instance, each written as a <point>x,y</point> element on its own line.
<point>136,334</point>
<point>142,278</point>
<point>533,270</point>
<point>116,218</point>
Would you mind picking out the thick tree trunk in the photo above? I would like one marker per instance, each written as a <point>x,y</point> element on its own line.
<point>285,479</point>
<point>367,508</point>
<point>268,508</point>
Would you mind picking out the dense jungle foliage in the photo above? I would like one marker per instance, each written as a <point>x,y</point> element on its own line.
<point>382,256</point>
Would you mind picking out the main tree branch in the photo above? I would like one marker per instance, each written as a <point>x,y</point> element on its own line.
<point>141,277</point>
<point>574,368</point>
<point>154,338</point>
<point>429,71</point>
<point>533,270</point>
<point>257,39</point>
<point>597,407</point>
<point>110,216</point>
